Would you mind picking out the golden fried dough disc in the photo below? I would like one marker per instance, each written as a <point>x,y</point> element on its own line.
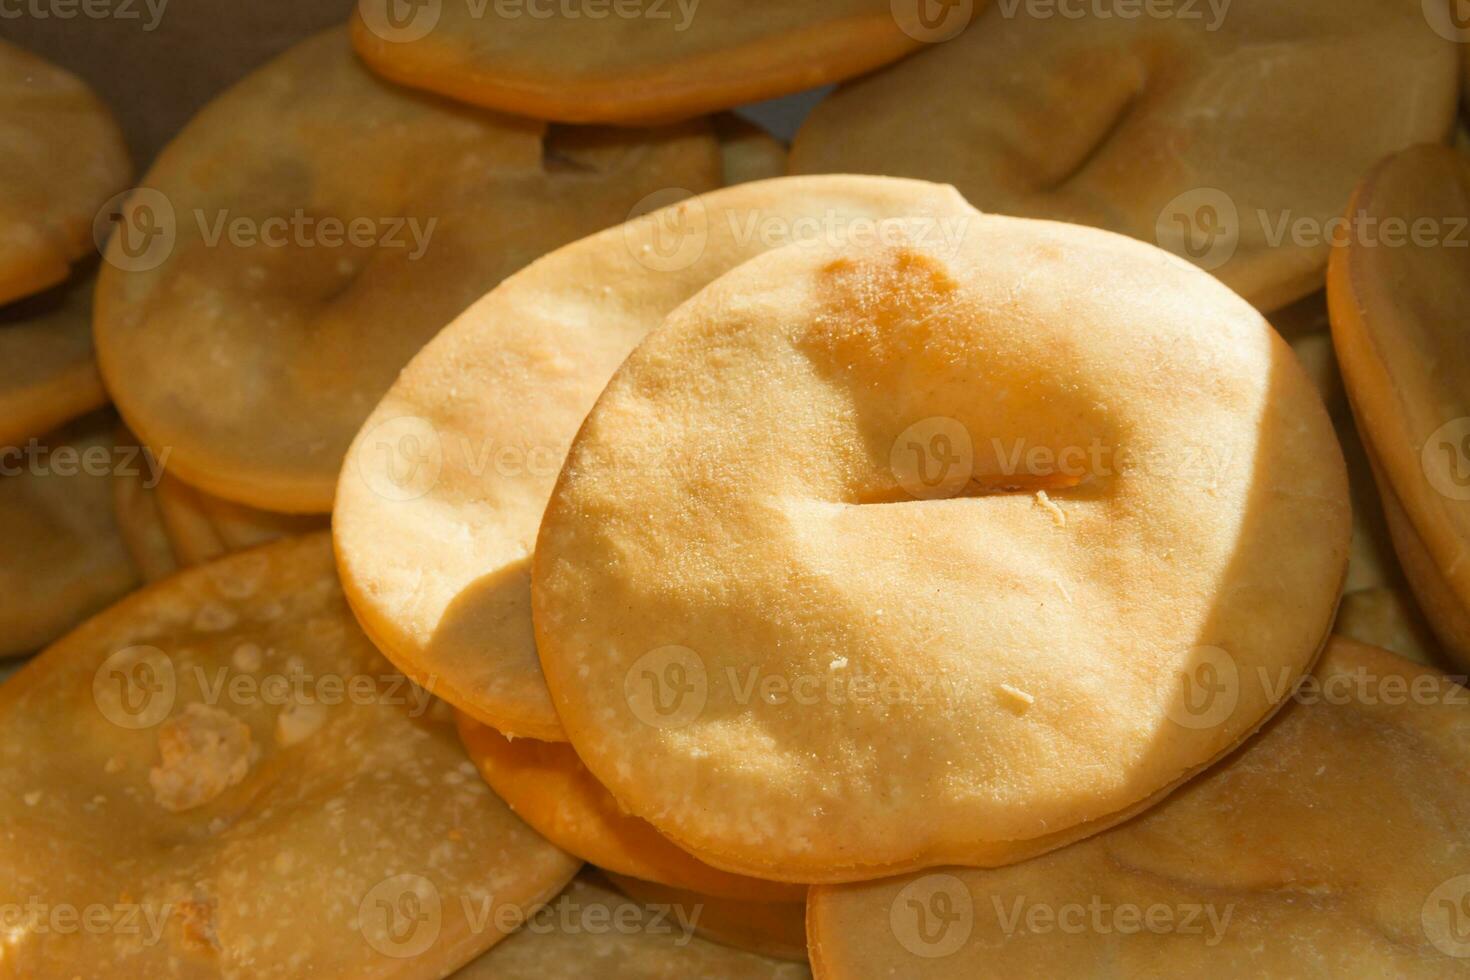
<point>453,469</point>
<point>590,932</point>
<point>139,520</point>
<point>1399,290</point>
<point>747,151</point>
<point>876,557</point>
<point>549,788</point>
<point>1232,137</point>
<point>662,61</point>
<point>61,157</point>
<point>770,928</point>
<point>48,375</point>
<point>202,527</point>
<point>227,754</point>
<point>1387,618</point>
<point>63,557</point>
<point>1331,845</point>
<point>310,229</point>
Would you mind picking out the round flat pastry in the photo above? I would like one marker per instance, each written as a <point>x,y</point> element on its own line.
<point>202,528</point>
<point>590,932</point>
<point>770,928</point>
<point>657,62</point>
<point>1269,865</point>
<point>308,232</point>
<point>64,557</point>
<point>872,558</point>
<point>1231,136</point>
<point>1399,291</point>
<point>48,375</point>
<point>748,152</point>
<point>62,155</point>
<point>549,788</point>
<point>453,469</point>
<point>139,519</point>
<point>224,758</point>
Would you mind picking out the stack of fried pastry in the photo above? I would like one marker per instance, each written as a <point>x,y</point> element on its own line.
<point>489,513</point>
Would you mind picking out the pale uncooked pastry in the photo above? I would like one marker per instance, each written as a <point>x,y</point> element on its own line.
<point>62,157</point>
<point>1333,844</point>
<point>227,753</point>
<point>1399,291</point>
<point>549,788</point>
<point>315,226</point>
<point>63,557</point>
<point>453,469</point>
<point>48,375</point>
<point>202,527</point>
<point>666,61</point>
<point>747,152</point>
<point>590,932</point>
<point>875,558</point>
<point>1387,618</point>
<point>770,928</point>
<point>139,520</point>
<point>1233,136</point>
